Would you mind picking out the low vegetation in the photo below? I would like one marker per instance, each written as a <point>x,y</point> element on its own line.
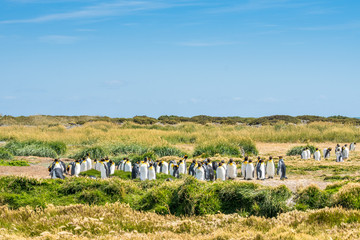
<point>296,151</point>
<point>36,148</point>
<point>14,163</point>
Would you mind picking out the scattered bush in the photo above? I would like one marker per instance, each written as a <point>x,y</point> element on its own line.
<point>167,151</point>
<point>349,196</point>
<point>123,149</point>
<point>36,148</point>
<point>14,163</point>
<point>224,149</point>
<point>295,151</point>
<point>5,154</point>
<point>95,152</point>
<point>313,198</point>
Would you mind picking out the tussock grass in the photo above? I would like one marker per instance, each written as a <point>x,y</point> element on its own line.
<point>119,221</point>
<point>14,163</point>
<point>5,154</point>
<point>36,148</point>
<point>296,151</point>
<point>95,152</point>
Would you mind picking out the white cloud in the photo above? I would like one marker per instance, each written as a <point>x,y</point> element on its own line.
<point>116,8</point>
<point>58,39</point>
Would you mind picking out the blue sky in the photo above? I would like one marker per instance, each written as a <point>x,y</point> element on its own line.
<point>124,58</point>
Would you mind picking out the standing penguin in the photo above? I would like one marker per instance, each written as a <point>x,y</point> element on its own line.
<point>249,171</point>
<point>339,157</point>
<point>281,170</point>
<point>182,167</point>
<point>57,169</point>
<point>220,173</point>
<point>135,172</point>
<point>337,148</point>
<point>243,167</point>
<point>112,167</point>
<point>143,171</point>
<point>70,169</point>
<point>352,146</point>
<point>127,166</point>
<point>270,168</point>
<point>308,153</point>
<point>103,169</point>
<point>317,155</point>
<point>192,168</point>
<point>151,172</point>
<point>258,170</point>
<point>199,173</point>
<point>345,152</point>
<point>210,169</point>
<point>171,168</point>
<point>88,162</point>
<point>327,152</point>
<point>224,164</point>
<point>176,171</point>
<point>83,165</point>
<point>215,165</point>
<point>164,168</point>
<point>262,170</point>
<point>77,168</point>
<point>231,172</point>
<point>303,154</point>
<point>157,166</point>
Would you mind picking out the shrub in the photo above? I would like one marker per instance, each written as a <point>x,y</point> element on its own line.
<point>128,149</point>
<point>14,163</point>
<point>349,196</point>
<point>313,198</point>
<point>224,149</point>
<point>248,146</point>
<point>167,151</point>
<point>59,147</point>
<point>5,154</point>
<point>95,152</point>
<point>298,150</point>
<point>36,148</point>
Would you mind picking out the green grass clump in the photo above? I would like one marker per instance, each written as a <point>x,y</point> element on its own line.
<point>95,152</point>
<point>349,196</point>
<point>298,150</point>
<point>313,198</point>
<point>14,163</point>
<point>224,149</point>
<point>248,146</point>
<point>127,149</point>
<point>36,148</point>
<point>167,151</point>
<point>5,154</point>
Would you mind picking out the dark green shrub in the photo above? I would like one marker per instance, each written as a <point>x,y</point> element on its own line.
<point>5,154</point>
<point>298,150</point>
<point>14,163</point>
<point>95,152</point>
<point>123,149</point>
<point>349,196</point>
<point>224,149</point>
<point>92,197</point>
<point>167,151</point>
<point>248,146</point>
<point>313,198</point>
<point>59,147</point>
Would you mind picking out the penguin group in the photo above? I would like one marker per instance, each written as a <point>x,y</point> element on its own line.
<point>341,153</point>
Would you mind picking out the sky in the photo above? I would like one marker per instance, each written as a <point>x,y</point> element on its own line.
<point>122,58</point>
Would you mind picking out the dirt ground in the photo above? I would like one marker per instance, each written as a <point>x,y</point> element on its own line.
<point>39,167</point>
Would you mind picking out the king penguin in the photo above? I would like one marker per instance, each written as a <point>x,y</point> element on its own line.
<point>249,171</point>
<point>220,173</point>
<point>270,168</point>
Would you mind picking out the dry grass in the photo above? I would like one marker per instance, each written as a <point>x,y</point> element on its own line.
<point>118,221</point>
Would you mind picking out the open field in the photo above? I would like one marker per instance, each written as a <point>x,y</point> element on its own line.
<point>270,209</point>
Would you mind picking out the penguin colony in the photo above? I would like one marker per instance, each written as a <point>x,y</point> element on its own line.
<point>206,170</point>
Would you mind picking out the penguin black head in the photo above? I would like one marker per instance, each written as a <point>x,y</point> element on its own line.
<point>317,149</point>
<point>220,164</point>
<point>194,161</point>
<point>280,157</point>
<point>88,154</point>
<point>259,158</point>
<point>150,165</point>
<point>246,158</point>
<point>222,161</point>
<point>186,156</point>
<point>270,158</point>
<point>208,160</point>
<point>231,160</point>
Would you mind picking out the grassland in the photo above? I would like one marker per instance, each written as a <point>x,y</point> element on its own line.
<point>83,208</point>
